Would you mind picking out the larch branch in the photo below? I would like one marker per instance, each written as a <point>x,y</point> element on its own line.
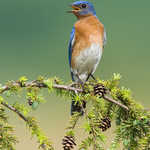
<point>38,84</point>
<point>14,110</point>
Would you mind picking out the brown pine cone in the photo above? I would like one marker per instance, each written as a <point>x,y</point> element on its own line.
<point>99,89</point>
<point>105,124</point>
<point>68,142</point>
<point>30,102</point>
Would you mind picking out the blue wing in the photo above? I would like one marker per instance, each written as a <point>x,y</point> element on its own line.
<point>71,44</point>
<point>70,48</point>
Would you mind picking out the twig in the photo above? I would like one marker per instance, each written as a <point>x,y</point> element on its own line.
<point>57,86</point>
<point>20,115</point>
<point>40,85</point>
<point>15,110</point>
<point>115,102</point>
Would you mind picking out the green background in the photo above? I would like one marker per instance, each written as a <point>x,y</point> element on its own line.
<point>34,38</point>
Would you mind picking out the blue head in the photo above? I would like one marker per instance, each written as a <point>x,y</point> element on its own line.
<point>82,8</point>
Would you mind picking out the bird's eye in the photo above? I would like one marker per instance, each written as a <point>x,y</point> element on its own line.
<point>83,5</point>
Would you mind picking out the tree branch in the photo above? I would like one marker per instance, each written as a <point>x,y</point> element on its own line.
<point>115,102</point>
<point>43,146</point>
<point>15,110</point>
<point>38,84</point>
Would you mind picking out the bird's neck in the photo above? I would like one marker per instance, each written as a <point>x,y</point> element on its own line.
<point>79,17</point>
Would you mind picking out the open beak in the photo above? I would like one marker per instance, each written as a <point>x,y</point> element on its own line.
<point>74,10</point>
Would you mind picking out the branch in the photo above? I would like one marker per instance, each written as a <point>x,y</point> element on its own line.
<point>30,124</point>
<point>15,110</point>
<point>38,84</point>
<point>115,102</point>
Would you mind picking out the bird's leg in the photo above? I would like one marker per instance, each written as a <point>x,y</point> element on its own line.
<point>80,81</point>
<point>91,75</point>
<point>88,77</point>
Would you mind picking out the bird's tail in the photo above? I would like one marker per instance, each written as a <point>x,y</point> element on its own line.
<point>76,107</point>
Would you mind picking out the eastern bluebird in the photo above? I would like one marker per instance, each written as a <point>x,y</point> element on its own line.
<point>87,41</point>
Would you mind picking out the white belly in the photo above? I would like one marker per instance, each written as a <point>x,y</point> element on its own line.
<point>87,61</point>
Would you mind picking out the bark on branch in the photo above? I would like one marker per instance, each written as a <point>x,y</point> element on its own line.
<point>38,84</point>
<point>14,110</point>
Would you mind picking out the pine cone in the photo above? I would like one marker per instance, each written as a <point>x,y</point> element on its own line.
<point>68,142</point>
<point>30,102</point>
<point>99,89</point>
<point>105,124</point>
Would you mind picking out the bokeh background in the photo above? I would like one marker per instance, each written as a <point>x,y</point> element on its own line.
<point>33,41</point>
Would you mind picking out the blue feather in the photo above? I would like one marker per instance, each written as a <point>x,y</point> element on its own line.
<point>70,44</point>
<point>70,48</point>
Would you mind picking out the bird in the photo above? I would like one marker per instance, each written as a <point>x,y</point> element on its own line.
<point>86,44</point>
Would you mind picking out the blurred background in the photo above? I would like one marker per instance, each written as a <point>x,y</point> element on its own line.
<point>34,38</point>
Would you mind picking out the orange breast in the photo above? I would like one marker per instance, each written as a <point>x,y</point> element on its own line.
<point>88,30</point>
